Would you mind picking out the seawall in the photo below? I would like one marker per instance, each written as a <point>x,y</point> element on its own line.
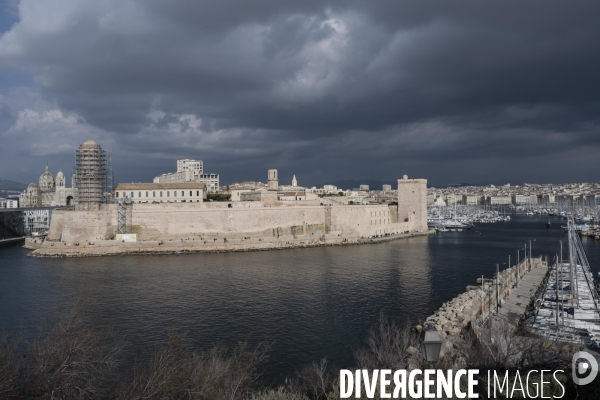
<point>175,221</point>
<point>200,245</point>
<point>476,305</point>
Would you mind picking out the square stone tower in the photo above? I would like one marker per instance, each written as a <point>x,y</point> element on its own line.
<point>412,202</point>
<point>273,179</point>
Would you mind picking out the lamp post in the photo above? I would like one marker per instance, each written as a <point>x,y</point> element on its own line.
<point>482,298</point>
<point>431,344</point>
<point>518,268</point>
<point>497,289</point>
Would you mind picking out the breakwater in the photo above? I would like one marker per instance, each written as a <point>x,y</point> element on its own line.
<point>491,297</point>
<point>198,244</point>
<point>12,240</point>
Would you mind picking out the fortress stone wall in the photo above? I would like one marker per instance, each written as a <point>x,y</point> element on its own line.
<point>79,226</point>
<point>255,219</point>
<point>176,220</point>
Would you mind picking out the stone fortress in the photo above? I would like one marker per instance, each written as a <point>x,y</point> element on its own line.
<point>258,220</point>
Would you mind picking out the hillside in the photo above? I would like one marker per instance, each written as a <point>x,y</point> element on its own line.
<point>6,184</point>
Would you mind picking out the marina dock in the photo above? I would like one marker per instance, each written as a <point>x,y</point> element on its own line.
<point>521,295</point>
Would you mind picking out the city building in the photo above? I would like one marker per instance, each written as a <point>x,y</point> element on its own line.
<point>471,200</point>
<point>191,171</point>
<point>524,199</point>
<point>499,200</point>
<point>236,194</point>
<point>330,189</point>
<point>293,187</point>
<point>547,198</point>
<point>452,199</point>
<point>9,203</point>
<point>185,192</point>
<point>48,192</point>
<point>386,188</point>
<point>190,165</point>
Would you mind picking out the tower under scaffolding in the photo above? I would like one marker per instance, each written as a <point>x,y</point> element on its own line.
<point>92,176</point>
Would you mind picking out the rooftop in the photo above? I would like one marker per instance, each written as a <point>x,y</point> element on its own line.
<point>158,186</point>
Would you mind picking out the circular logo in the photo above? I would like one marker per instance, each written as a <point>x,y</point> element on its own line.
<point>585,368</point>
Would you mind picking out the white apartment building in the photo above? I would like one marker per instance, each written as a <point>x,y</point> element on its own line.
<point>191,171</point>
<point>452,199</point>
<point>386,188</point>
<point>357,197</point>
<point>499,200</point>
<point>524,199</point>
<point>186,192</point>
<point>9,203</point>
<point>471,199</point>
<point>548,199</point>
<point>190,165</point>
<point>330,189</point>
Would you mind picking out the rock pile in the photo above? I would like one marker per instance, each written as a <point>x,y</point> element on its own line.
<point>453,316</point>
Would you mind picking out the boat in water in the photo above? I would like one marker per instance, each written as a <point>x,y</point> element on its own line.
<point>568,307</point>
<point>548,225</point>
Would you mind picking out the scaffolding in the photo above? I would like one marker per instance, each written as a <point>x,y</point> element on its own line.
<point>92,176</point>
<point>124,215</point>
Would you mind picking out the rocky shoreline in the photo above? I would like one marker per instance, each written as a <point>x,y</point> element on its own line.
<point>116,248</point>
<point>462,311</point>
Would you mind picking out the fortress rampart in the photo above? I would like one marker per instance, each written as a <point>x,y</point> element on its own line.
<point>222,222</point>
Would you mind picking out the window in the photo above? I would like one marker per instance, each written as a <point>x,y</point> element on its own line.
<point>132,195</point>
<point>116,194</point>
<point>175,193</point>
<point>161,194</point>
<point>153,194</point>
<point>182,193</point>
<point>168,194</point>
<point>146,194</point>
<point>197,193</point>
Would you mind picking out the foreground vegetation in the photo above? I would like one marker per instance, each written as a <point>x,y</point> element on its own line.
<point>67,360</point>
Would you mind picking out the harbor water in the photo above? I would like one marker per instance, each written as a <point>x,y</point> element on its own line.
<point>312,303</point>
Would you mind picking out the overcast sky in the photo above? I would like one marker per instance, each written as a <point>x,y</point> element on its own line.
<point>451,91</point>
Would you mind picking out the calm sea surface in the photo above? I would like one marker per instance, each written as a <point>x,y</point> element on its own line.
<point>313,303</point>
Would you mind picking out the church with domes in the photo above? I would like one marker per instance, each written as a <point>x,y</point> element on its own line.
<point>48,192</point>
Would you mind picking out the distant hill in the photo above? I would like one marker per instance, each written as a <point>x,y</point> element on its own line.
<point>6,184</point>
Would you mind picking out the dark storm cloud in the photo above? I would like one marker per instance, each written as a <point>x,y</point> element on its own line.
<point>446,90</point>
